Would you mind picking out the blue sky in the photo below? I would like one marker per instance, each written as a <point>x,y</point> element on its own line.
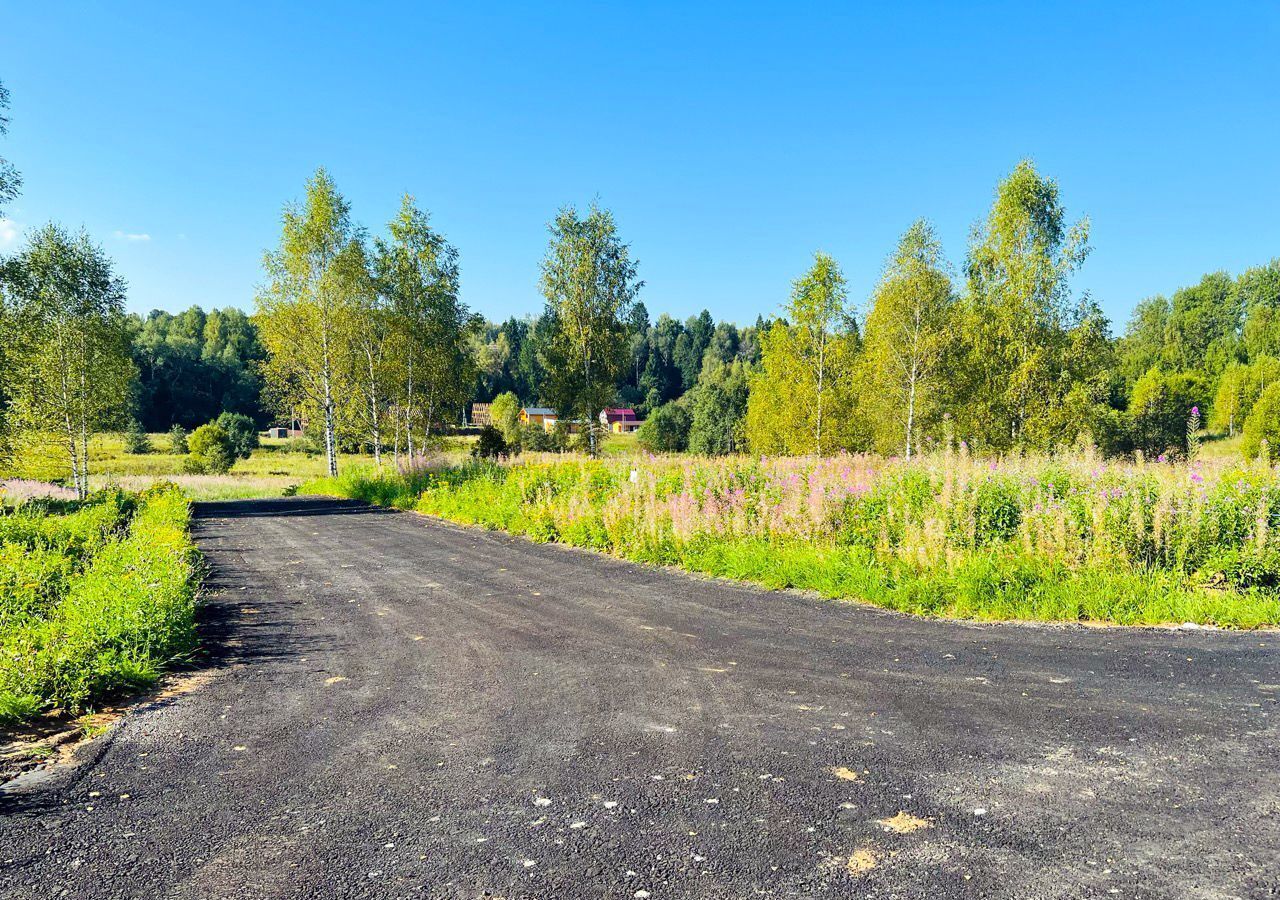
<point>730,140</point>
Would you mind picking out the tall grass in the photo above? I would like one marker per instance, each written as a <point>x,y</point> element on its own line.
<point>1047,538</point>
<point>82,620</point>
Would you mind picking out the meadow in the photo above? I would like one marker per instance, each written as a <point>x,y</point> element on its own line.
<point>96,598</point>
<point>275,468</point>
<point>1066,538</point>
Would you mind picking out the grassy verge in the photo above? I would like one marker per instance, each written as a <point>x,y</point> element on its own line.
<point>95,598</point>
<point>1044,541</point>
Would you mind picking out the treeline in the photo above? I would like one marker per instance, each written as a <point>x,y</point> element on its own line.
<point>1002,356</point>
<point>365,338</point>
<point>193,366</point>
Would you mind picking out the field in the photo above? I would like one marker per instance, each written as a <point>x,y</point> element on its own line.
<point>273,469</point>
<point>96,598</point>
<point>1070,538</point>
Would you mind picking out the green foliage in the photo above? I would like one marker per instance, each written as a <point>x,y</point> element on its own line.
<point>537,439</point>
<point>719,403</point>
<point>490,444</point>
<point>194,365</point>
<point>1159,407</point>
<point>178,441</point>
<point>801,398</point>
<point>136,440</point>
<point>308,310</point>
<point>242,434</point>
<point>211,449</point>
<point>108,624</point>
<point>68,378</point>
<point>906,336</point>
<point>431,365</point>
<point>10,180</point>
<point>504,412</point>
<point>1263,425</point>
<point>590,283</point>
<point>666,430</point>
<point>1017,316</point>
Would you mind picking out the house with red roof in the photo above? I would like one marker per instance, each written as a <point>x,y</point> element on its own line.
<point>620,421</point>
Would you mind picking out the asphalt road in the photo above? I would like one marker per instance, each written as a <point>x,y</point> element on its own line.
<point>394,707</point>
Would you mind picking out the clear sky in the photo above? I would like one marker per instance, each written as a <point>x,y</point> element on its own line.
<point>730,140</point>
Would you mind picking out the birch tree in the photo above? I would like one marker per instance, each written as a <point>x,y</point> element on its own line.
<point>590,282</point>
<point>416,273</point>
<point>308,308</point>
<point>801,399</point>
<point>73,369</point>
<point>1019,310</point>
<point>372,346</point>
<point>904,341</point>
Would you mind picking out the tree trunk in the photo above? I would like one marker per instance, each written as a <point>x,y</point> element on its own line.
<point>911,409</point>
<point>822,370</point>
<point>373,411</point>
<point>395,437</point>
<point>330,429</point>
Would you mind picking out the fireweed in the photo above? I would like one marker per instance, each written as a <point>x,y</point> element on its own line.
<point>1061,538</point>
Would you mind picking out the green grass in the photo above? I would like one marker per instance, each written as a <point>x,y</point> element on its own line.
<point>1048,541</point>
<point>118,611</point>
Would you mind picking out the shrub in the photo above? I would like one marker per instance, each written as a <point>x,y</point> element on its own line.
<point>242,433</point>
<point>504,413</point>
<point>32,579</point>
<point>1263,424</point>
<point>538,439</point>
<point>136,440</point>
<point>490,444</point>
<point>211,449</point>
<point>1159,407</point>
<point>666,430</point>
<point>122,617</point>
<point>178,441</point>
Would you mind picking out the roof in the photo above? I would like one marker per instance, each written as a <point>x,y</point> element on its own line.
<point>625,411</point>
<point>538,411</point>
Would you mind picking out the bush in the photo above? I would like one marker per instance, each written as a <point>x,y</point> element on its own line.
<point>666,430</point>
<point>490,444</point>
<point>1160,406</point>
<point>1263,424</point>
<point>997,511</point>
<point>211,449</point>
<point>504,414</point>
<point>116,623</point>
<point>538,439</point>
<point>178,441</point>
<point>136,440</point>
<point>242,433</point>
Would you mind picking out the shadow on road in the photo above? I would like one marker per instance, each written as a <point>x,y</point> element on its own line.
<point>285,506</point>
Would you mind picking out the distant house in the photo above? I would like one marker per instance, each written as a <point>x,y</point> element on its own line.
<point>480,415</point>
<point>295,429</point>
<point>620,421</point>
<point>539,415</point>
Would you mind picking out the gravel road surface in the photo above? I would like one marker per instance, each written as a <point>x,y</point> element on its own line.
<point>394,707</point>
